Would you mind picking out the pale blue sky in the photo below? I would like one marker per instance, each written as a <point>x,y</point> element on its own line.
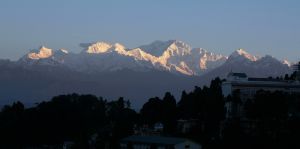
<point>221,26</point>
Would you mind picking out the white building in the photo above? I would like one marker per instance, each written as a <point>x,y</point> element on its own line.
<point>247,88</point>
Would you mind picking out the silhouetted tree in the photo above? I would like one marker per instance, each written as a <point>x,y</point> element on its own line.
<point>151,111</point>
<point>169,113</point>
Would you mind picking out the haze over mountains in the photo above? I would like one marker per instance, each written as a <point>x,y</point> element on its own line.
<point>112,70</point>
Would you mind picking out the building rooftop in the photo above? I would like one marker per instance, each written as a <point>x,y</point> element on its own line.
<point>268,84</point>
<point>240,75</point>
<point>266,79</point>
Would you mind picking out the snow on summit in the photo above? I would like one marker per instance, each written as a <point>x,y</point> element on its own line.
<point>173,55</point>
<point>99,47</point>
<point>104,47</point>
<point>243,53</point>
<point>156,48</point>
<point>64,51</point>
<point>43,52</point>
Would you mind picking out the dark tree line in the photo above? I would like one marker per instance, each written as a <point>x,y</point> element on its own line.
<point>206,105</point>
<point>66,118</point>
<point>271,120</point>
<point>78,117</point>
<point>275,117</point>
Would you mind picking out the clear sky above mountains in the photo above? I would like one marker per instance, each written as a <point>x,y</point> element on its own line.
<point>259,26</point>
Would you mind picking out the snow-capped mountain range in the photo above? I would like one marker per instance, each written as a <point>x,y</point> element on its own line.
<point>172,56</point>
<point>112,70</point>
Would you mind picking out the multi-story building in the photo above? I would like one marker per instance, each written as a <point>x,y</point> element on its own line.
<point>247,88</point>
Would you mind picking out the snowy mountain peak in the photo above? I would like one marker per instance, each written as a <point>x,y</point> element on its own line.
<point>43,52</point>
<point>119,46</point>
<point>243,53</point>
<point>286,62</point>
<point>174,56</point>
<point>157,48</point>
<point>103,47</point>
<point>179,48</point>
<point>141,55</point>
<point>64,51</point>
<point>98,47</point>
<point>180,43</point>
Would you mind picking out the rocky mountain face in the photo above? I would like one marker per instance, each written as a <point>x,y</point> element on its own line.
<point>173,56</point>
<point>253,66</point>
